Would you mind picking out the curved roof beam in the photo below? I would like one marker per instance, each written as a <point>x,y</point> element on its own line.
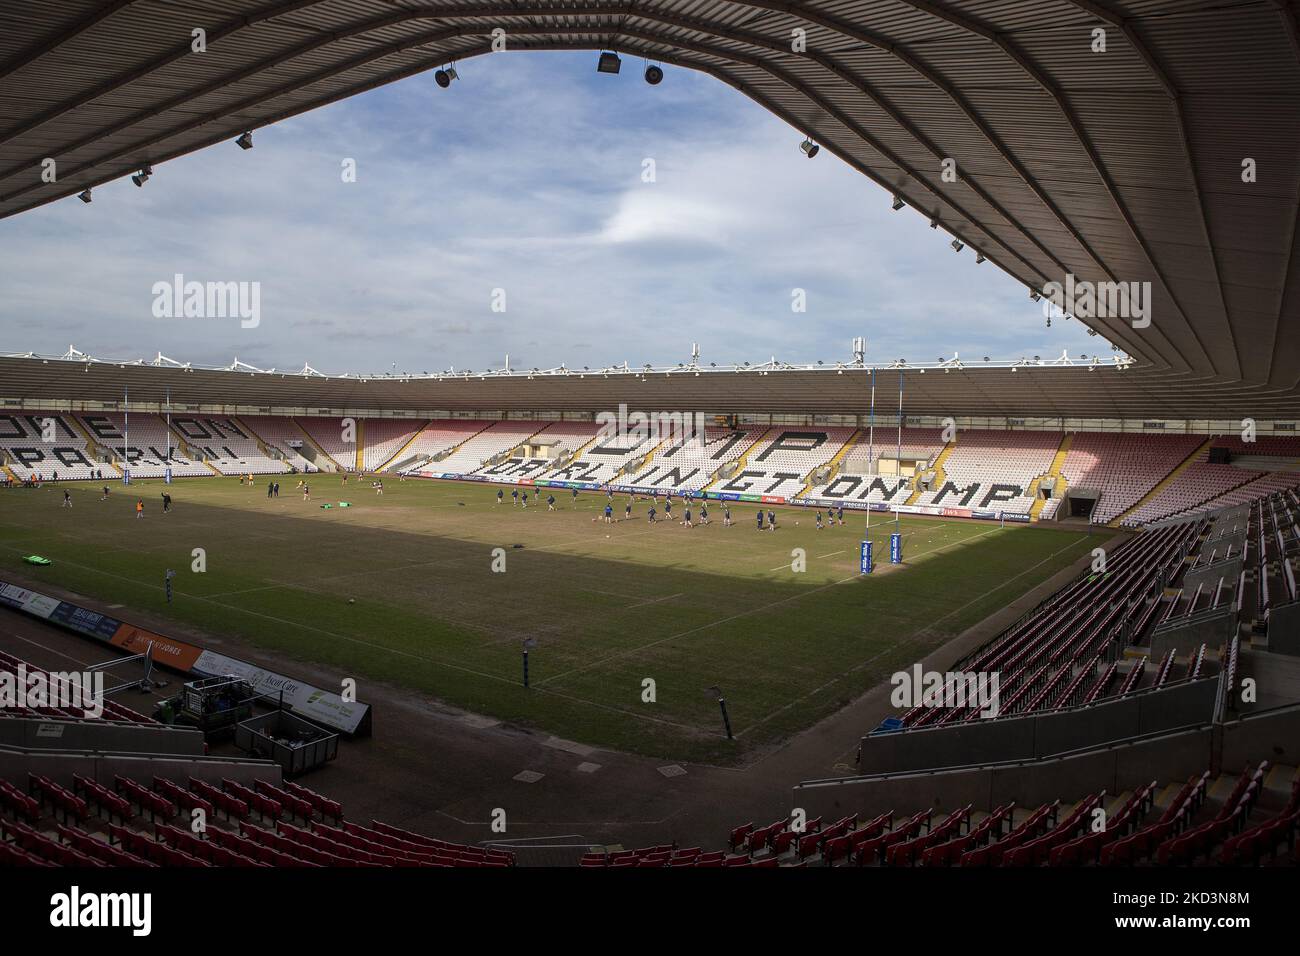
<point>38,50</point>
<point>1067,112</point>
<point>934,76</point>
<point>1107,15</point>
<point>157,63</point>
<point>1291,25</point>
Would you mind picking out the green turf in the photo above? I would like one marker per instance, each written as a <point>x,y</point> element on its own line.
<point>609,606</point>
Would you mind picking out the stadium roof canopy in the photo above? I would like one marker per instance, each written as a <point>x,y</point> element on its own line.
<point>1025,388</point>
<point>1112,167</point>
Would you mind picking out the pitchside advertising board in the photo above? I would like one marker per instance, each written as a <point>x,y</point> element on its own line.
<point>311,702</point>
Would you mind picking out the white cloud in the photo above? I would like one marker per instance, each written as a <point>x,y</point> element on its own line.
<point>516,178</point>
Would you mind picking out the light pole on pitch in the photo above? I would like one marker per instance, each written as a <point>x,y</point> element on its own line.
<point>529,642</point>
<point>722,705</point>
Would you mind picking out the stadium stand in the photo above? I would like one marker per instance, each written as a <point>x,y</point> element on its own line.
<point>558,441</point>
<point>1122,468</point>
<point>1206,820</point>
<point>91,824</point>
<point>857,479</point>
<point>604,459</point>
<point>285,436</point>
<point>227,446</point>
<point>497,439</point>
<point>914,444</point>
<point>691,465</point>
<point>1205,481</point>
<point>781,465</point>
<point>378,439</point>
<point>436,438</point>
<point>1060,654</point>
<point>384,438</point>
<point>26,455</point>
<point>1133,479</point>
<point>152,449</point>
<point>993,470</point>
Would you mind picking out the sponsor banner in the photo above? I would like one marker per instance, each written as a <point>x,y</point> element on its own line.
<point>984,514</point>
<point>24,600</point>
<point>749,498</point>
<point>846,503</point>
<point>175,654</point>
<point>956,512</point>
<point>85,621</point>
<point>1014,516</point>
<point>312,702</point>
<point>772,499</point>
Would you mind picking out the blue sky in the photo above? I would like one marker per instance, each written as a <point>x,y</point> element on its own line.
<point>524,176</point>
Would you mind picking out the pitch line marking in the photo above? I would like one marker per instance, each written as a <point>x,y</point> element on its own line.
<point>858,667</point>
<point>393,650</point>
<point>733,617</point>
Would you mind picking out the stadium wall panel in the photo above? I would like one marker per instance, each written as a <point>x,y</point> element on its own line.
<point>99,735</point>
<point>1036,736</point>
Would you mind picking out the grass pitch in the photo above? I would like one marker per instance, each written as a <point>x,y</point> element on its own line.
<point>401,588</point>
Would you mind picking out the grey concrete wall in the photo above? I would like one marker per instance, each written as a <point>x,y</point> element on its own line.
<point>1284,630</point>
<point>1209,575</point>
<point>975,741</point>
<point>100,735</point>
<point>1186,638</point>
<point>1040,735</point>
<point>1115,768</point>
<point>1269,735</point>
<point>60,766</point>
<point>1266,735</point>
